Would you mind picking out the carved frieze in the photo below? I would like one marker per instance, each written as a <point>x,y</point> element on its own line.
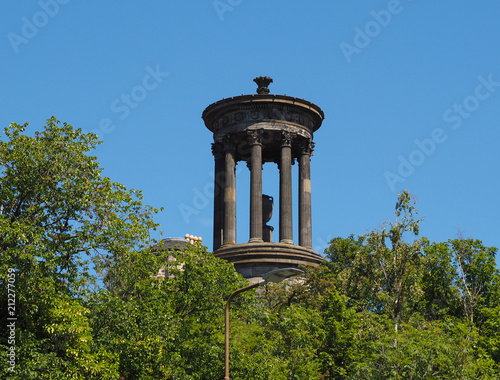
<point>250,114</point>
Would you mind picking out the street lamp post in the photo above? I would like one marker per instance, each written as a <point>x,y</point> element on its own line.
<point>277,275</point>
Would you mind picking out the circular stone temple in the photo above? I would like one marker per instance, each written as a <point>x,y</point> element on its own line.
<point>258,129</point>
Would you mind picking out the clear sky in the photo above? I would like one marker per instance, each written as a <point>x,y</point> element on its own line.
<point>410,91</point>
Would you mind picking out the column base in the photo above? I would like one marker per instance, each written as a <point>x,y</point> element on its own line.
<point>286,241</point>
<point>256,240</point>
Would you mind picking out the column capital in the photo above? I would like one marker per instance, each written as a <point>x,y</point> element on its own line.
<point>217,150</point>
<point>307,147</point>
<point>255,137</point>
<point>286,138</point>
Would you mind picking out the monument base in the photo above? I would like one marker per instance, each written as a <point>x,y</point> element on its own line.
<point>252,260</point>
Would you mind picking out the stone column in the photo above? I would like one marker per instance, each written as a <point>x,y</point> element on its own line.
<point>229,193</point>
<point>286,216</point>
<point>305,221</point>
<point>255,140</point>
<point>219,185</point>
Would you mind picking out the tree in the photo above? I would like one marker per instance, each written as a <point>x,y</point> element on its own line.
<point>478,282</point>
<point>56,213</point>
<point>444,349</point>
<point>386,304</point>
<point>166,327</point>
<point>377,277</point>
<point>478,277</point>
<point>428,310</point>
<point>439,283</point>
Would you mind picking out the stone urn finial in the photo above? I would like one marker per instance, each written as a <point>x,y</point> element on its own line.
<point>263,82</point>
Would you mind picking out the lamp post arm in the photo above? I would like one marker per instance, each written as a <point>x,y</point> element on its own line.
<point>262,282</point>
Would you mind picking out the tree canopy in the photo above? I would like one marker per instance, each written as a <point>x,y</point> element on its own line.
<point>78,258</point>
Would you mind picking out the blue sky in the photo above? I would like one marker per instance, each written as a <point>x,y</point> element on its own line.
<point>410,91</point>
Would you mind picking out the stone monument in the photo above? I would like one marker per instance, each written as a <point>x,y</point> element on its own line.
<point>258,129</point>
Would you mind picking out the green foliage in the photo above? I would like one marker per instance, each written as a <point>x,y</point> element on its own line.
<point>429,310</point>
<point>384,305</point>
<point>443,349</point>
<point>490,332</point>
<point>441,295</point>
<point>379,278</point>
<point>478,277</point>
<point>56,211</point>
<point>166,327</point>
<point>277,339</point>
